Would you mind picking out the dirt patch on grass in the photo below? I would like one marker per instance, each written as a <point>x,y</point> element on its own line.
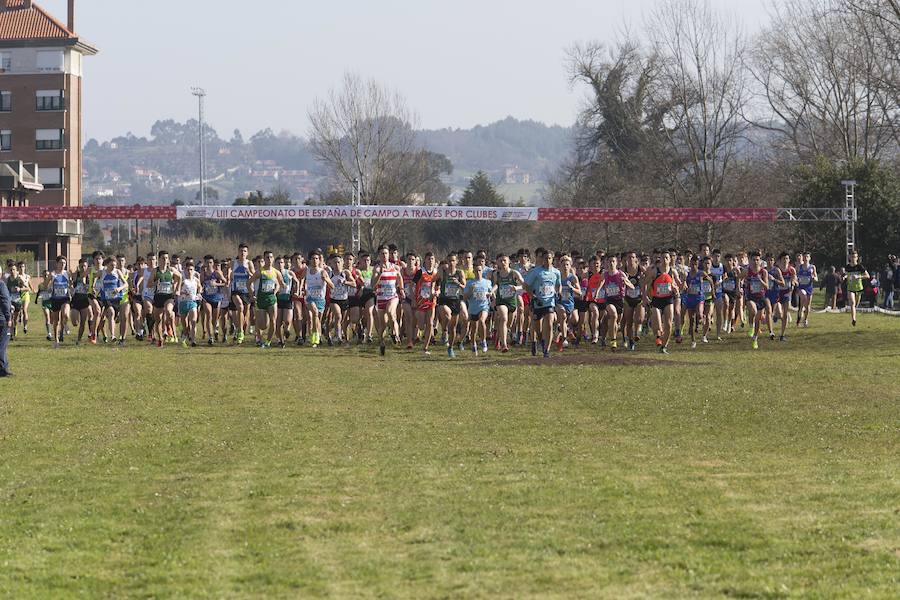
<point>578,360</point>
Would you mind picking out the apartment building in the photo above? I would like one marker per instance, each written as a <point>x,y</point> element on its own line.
<point>40,119</point>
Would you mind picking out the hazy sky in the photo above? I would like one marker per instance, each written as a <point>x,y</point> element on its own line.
<point>459,63</point>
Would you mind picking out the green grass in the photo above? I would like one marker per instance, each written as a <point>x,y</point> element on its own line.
<point>229,472</point>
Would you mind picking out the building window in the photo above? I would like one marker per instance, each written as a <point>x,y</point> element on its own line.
<point>51,100</point>
<point>49,139</point>
<point>51,177</point>
<point>5,101</point>
<point>51,60</point>
<point>5,62</point>
<point>5,140</point>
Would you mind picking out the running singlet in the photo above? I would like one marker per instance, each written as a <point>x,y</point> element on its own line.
<point>366,278</point>
<point>341,290</point>
<point>718,273</point>
<point>567,290</point>
<point>285,293</point>
<point>614,285</point>
<point>211,291</point>
<point>164,283</point>
<point>695,286</point>
<point>188,291</point>
<point>387,283</point>
<point>478,290</point>
<point>804,276</point>
<point>146,292</point>
<point>450,286</point>
<point>423,288</point>
<point>60,285</point>
<point>110,282</point>
<point>729,282</point>
<point>240,278</point>
<point>595,291</point>
<point>541,283</point>
<point>854,277</point>
<point>788,277</point>
<point>507,290</point>
<point>408,285</point>
<point>755,287</point>
<point>634,291</point>
<point>81,285</point>
<point>707,288</point>
<point>663,285</point>
<point>315,285</point>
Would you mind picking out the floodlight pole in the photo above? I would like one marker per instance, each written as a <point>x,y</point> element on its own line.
<point>201,94</point>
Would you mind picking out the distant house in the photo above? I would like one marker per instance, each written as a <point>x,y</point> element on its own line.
<point>514,174</point>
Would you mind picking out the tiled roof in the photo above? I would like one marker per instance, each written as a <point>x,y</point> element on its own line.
<point>19,23</point>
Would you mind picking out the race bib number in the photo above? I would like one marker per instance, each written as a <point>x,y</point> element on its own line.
<point>706,287</point>
<point>315,293</point>
<point>756,286</point>
<point>729,285</point>
<point>612,289</point>
<point>452,290</point>
<point>425,292</point>
<point>546,290</point>
<point>60,290</point>
<point>663,289</point>
<point>164,287</point>
<point>386,289</point>
<point>480,295</point>
<point>694,290</point>
<point>81,288</point>
<point>268,286</point>
<point>15,297</point>
<point>633,292</point>
<point>805,280</point>
<point>43,295</point>
<point>566,293</point>
<point>240,286</point>
<point>601,294</point>
<point>507,291</point>
<point>211,288</point>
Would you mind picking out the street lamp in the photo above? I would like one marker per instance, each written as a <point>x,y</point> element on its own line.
<point>201,94</point>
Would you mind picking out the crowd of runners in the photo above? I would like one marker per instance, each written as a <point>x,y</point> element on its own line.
<point>464,301</point>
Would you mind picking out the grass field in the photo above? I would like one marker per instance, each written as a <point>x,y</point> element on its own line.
<point>230,472</point>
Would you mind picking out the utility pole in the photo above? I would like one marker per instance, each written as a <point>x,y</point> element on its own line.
<point>850,214</point>
<point>201,94</point>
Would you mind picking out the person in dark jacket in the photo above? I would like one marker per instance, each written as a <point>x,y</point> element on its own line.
<point>5,327</point>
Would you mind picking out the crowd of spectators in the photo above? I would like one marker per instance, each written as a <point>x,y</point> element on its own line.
<point>880,289</point>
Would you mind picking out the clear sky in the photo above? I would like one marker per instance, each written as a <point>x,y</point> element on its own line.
<point>458,62</point>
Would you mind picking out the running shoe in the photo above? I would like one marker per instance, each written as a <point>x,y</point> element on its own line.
<point>330,342</point>
<point>450,352</point>
<point>381,349</point>
<point>193,344</point>
<point>159,343</point>
<point>706,339</point>
<point>782,338</point>
<point>559,345</point>
<point>210,342</point>
<point>504,350</point>
<point>184,343</point>
<point>426,352</point>
<point>693,345</point>
<point>772,336</point>
<point>484,346</point>
<point>49,338</point>
<point>659,341</point>
<point>853,322</point>
<point>534,348</point>
<point>663,349</point>
<point>475,349</point>
<point>240,339</point>
<point>614,346</point>
<point>409,346</point>
<point>546,354</point>
<point>92,339</point>
<point>678,338</point>
<point>755,343</point>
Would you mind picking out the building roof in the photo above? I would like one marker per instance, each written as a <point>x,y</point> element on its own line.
<point>20,22</point>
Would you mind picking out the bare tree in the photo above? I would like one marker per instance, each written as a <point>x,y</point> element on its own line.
<point>702,82</point>
<point>364,131</point>
<point>823,79</point>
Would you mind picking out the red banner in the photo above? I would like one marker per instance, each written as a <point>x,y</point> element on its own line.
<point>56,213</point>
<point>669,215</point>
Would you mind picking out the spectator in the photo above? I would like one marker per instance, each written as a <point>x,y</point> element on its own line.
<point>5,327</point>
<point>872,287</point>
<point>830,283</point>
<point>887,283</point>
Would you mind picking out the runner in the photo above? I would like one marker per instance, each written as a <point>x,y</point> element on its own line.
<point>698,285</point>
<point>452,281</point>
<point>61,289</point>
<point>26,295</point>
<point>478,298</point>
<point>407,307</point>
<point>81,303</point>
<point>284,300</point>
<point>855,276</point>
<point>339,306</point>
<point>544,284</point>
<point>111,287</point>
<point>570,291</point>
<point>44,298</point>
<point>241,272</point>
<point>634,307</point>
<point>508,284</point>
<point>189,294</point>
<point>660,290</point>
<point>269,283</point>
<point>164,281</point>
<point>366,298</point>
<point>387,281</point>
<point>137,300</point>
<point>755,283</point>
<point>316,282</point>
<point>615,283</point>
<point>806,281</point>
<point>731,290</point>
<point>424,292</point>
<point>16,286</point>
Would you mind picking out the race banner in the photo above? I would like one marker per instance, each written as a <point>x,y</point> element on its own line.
<point>57,213</point>
<point>414,213</point>
<point>667,215</point>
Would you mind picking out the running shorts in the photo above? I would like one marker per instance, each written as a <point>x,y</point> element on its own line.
<point>159,300</point>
